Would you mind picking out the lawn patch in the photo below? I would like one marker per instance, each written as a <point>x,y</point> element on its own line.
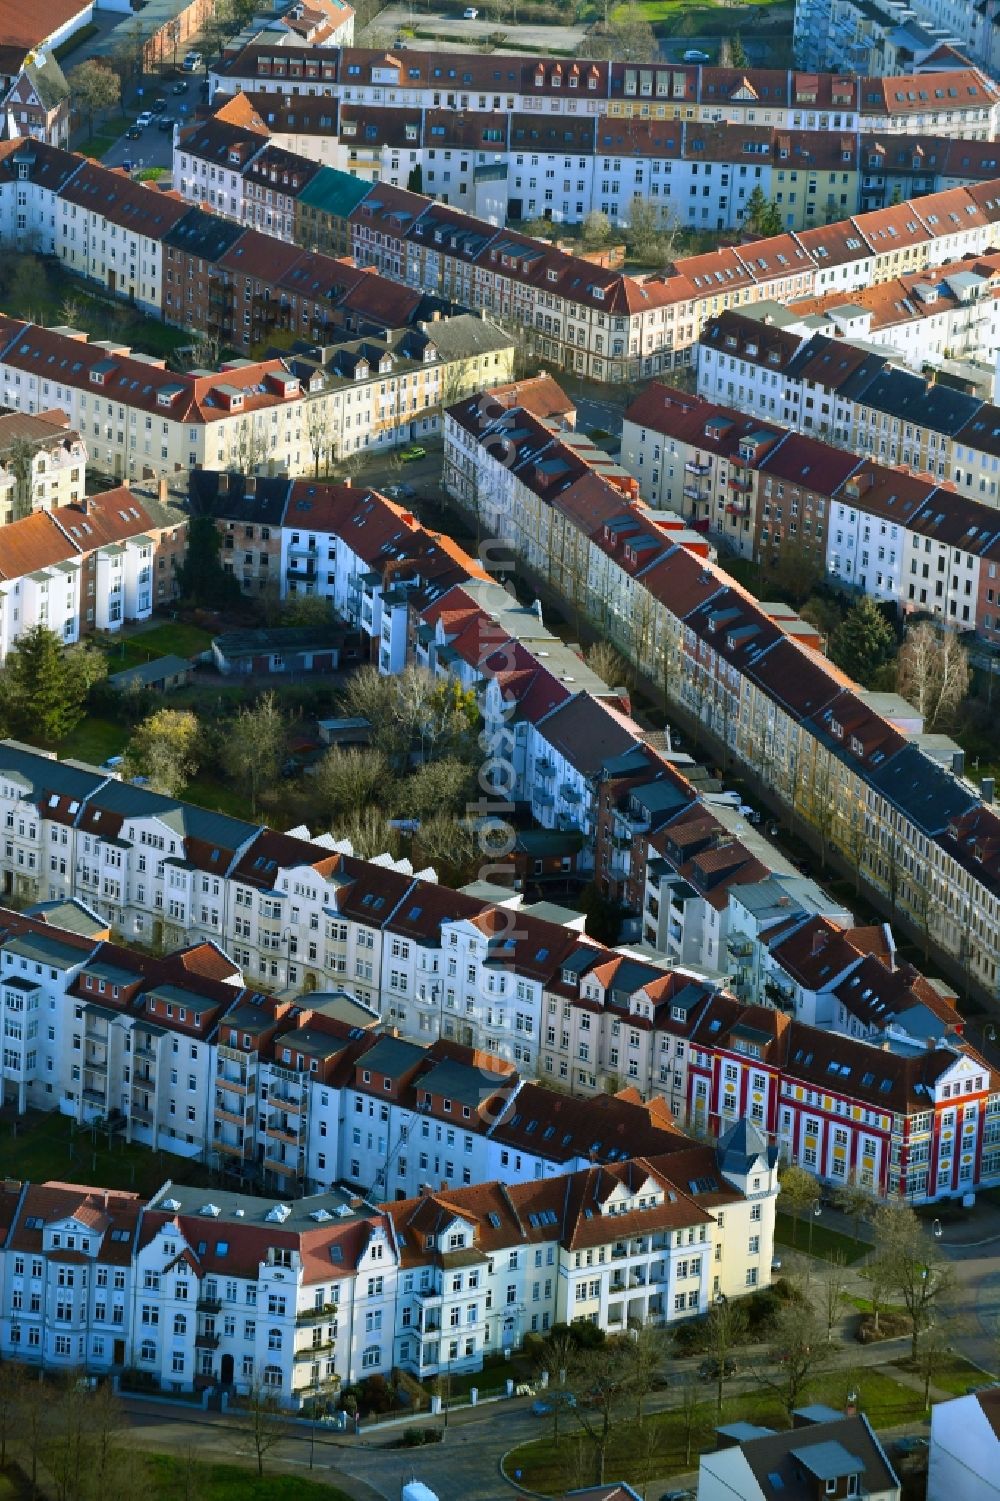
<point>825,1243</point>
<point>636,1454</point>
<point>174,1479</point>
<point>94,740</point>
<point>46,1147</point>
<point>173,638</point>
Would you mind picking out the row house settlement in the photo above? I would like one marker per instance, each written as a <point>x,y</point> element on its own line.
<point>909,823</point>
<point>951,100</point>
<point>225,1290</point>
<point>904,538</point>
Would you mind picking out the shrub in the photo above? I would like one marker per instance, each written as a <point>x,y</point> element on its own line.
<point>689,1338</point>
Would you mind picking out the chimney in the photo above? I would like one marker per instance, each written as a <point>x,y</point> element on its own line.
<point>958,763</point>
<point>224,482</point>
<point>930,1043</point>
<point>819,941</point>
<point>162,489</point>
<point>85,505</point>
<point>347,483</point>
<point>987,787</point>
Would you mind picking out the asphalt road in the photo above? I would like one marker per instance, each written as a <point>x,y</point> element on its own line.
<point>464,1467</point>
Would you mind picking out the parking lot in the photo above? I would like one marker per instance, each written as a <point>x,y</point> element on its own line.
<point>440,26</point>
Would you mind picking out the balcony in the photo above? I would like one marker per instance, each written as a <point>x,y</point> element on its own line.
<point>290,1169</point>
<point>282,1131</point>
<point>316,1315</point>
<point>696,492</point>
<point>738,508</point>
<point>142,1114</point>
<point>230,1148</point>
<point>313,1352</point>
<point>95,1096</point>
<point>209,1305</point>
<point>287,1102</point>
<point>234,1117</point>
<point>694,467</point>
<point>306,574</point>
<point>207,1341</point>
<point>739,483</point>
<point>225,1081</point>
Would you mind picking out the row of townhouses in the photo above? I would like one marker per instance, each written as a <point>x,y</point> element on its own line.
<point>42,463</point>
<point>503,166</point>
<point>857,397</point>
<point>857,769</point>
<point>948,97</point>
<point>296,413</point>
<point>582,314</point>
<point>239,284</point>
<point>212,1288</point>
<point>851,1064</point>
<point>906,539</point>
<point>146,246</point>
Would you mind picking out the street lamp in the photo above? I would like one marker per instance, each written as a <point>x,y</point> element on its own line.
<point>817,1210</point>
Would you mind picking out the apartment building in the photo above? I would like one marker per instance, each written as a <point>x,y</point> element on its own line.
<point>42,463</point>
<point>947,95</point>
<point>859,399</point>
<point>93,564</point>
<point>229,1291</point>
<point>141,421</point>
<point>907,823</point>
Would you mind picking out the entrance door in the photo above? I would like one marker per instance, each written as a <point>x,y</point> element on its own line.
<point>226,1370</point>
<point>119,1352</point>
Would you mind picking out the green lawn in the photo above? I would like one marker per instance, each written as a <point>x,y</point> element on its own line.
<point>45,1147</point>
<point>94,741</point>
<point>173,638</point>
<point>206,792</point>
<point>173,1480</point>
<point>825,1243</point>
<point>954,1374</point>
<point>658,1446</point>
<point>682,18</point>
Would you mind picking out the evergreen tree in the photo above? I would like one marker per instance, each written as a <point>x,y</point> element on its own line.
<point>863,642</point>
<point>201,576</point>
<point>763,215</point>
<point>44,687</point>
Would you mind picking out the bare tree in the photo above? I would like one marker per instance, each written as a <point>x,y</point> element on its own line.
<point>604,1377</point>
<point>933,1349</point>
<point>833,1290</point>
<point>932,673</point>
<point>609,665</point>
<point>254,746</point>
<point>725,1327</point>
<point>12,1379</point>
<point>689,1412</point>
<point>260,1422</point>
<point>797,1354</point>
<point>320,433</point>
<point>914,1267</point>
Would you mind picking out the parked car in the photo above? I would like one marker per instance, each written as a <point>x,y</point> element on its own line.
<point>146,118</point>
<point>543,1406</point>
<point>166,122</point>
<point>192,61</point>
<point>159,104</point>
<point>134,133</point>
<point>180,87</point>
<point>692,55</point>
<point>470,13</point>
<point>709,1369</point>
<point>912,1444</point>
<point>128,166</point>
<point>414,452</point>
<point>677,1496</point>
